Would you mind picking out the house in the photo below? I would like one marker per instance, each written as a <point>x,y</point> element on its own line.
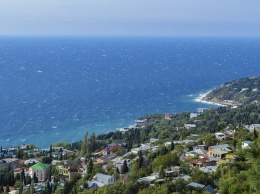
<point>208,169</point>
<point>168,143</point>
<point>104,179</point>
<point>184,177</point>
<point>193,115</point>
<point>195,185</point>
<point>148,179</point>
<point>124,130</point>
<point>140,123</point>
<point>252,127</point>
<point>200,149</point>
<point>168,116</point>
<point>9,162</point>
<point>104,159</point>
<point>192,154</point>
<point>152,140</point>
<point>178,142</point>
<point>56,162</point>
<point>169,173</point>
<point>69,169</point>
<point>202,110</point>
<point>246,144</point>
<point>56,155</point>
<point>110,149</point>
<point>19,170</point>
<point>143,147</point>
<point>190,126</point>
<point>188,141</point>
<point>118,162</point>
<point>57,149</point>
<point>209,189</point>
<point>200,162</point>
<point>93,185</point>
<point>198,186</point>
<point>24,146</point>
<point>230,132</point>
<point>41,170</point>
<point>231,157</point>
<point>219,151</point>
<point>31,161</point>
<point>68,152</point>
<point>220,136</point>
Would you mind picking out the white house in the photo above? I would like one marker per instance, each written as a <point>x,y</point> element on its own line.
<point>202,110</point>
<point>31,161</point>
<point>190,126</point>
<point>193,115</point>
<point>104,179</point>
<point>252,127</point>
<point>246,144</point>
<point>220,136</point>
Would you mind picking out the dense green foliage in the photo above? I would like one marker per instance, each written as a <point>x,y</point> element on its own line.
<point>245,91</point>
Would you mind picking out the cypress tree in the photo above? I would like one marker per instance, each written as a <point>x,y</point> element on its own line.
<point>161,172</point>
<point>117,170</point>
<point>35,178</point>
<point>50,151</point>
<point>255,134</point>
<point>84,146</point>
<point>90,166</point>
<point>1,189</point>
<point>32,187</point>
<point>7,189</point>
<point>48,187</point>
<point>75,189</point>
<point>124,168</point>
<point>172,146</point>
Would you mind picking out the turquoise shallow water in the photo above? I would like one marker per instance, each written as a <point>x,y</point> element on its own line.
<point>54,89</point>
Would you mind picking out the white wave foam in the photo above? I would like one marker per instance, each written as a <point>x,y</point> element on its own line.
<point>201,96</point>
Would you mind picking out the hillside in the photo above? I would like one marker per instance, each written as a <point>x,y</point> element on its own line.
<point>236,92</point>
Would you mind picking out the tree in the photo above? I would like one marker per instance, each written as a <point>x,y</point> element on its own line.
<point>32,187</point>
<point>254,172</point>
<point>84,146</point>
<point>22,177</point>
<point>28,179</point>
<point>166,161</point>
<point>50,151</point>
<point>46,160</point>
<point>75,190</point>
<point>1,189</point>
<point>255,134</point>
<point>7,189</point>
<point>35,178</point>
<point>161,172</point>
<point>210,139</point>
<point>90,166</point>
<point>172,146</point>
<point>124,168</point>
<point>48,187</point>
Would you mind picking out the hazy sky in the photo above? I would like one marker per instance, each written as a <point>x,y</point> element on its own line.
<point>130,17</point>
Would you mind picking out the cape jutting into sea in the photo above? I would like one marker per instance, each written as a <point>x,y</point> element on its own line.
<point>55,89</point>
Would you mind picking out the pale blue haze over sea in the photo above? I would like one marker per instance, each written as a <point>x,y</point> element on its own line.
<point>54,89</point>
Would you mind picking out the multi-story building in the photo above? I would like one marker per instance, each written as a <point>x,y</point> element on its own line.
<point>41,170</point>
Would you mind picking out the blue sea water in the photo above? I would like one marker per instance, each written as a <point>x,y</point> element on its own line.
<point>55,89</point>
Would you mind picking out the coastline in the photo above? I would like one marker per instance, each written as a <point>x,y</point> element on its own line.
<point>201,98</point>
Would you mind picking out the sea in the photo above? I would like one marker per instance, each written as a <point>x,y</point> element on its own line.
<point>54,89</point>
